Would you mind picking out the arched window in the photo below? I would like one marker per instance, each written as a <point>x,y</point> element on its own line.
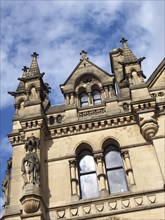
<point>96,97</point>
<point>115,171</point>
<point>84,99</point>
<point>59,119</point>
<point>87,175</point>
<point>51,120</point>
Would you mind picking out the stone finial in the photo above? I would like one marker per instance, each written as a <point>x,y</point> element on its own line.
<point>123,40</point>
<point>25,68</point>
<point>34,68</point>
<point>35,55</point>
<point>83,55</point>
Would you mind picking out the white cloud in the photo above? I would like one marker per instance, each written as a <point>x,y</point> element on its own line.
<point>58,31</point>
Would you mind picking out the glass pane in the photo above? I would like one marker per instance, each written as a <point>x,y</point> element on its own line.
<point>117,181</point>
<point>89,186</point>
<point>86,164</point>
<point>83,104</point>
<point>97,102</point>
<point>113,159</point>
<point>84,97</point>
<point>96,95</point>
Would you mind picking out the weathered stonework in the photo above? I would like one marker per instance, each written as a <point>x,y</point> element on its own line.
<point>120,133</point>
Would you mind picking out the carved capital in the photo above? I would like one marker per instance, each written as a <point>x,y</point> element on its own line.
<point>125,154</point>
<point>72,163</point>
<point>98,158</point>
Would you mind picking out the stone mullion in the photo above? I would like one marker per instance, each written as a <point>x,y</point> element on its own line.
<point>90,100</point>
<point>128,167</point>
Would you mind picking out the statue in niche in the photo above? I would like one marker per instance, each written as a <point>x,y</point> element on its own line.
<point>30,164</point>
<point>6,183</point>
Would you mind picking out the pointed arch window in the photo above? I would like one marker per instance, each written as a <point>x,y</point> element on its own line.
<point>96,97</point>
<point>84,99</point>
<point>115,171</point>
<point>87,175</point>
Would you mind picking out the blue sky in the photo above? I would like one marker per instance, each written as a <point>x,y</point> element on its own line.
<point>59,30</point>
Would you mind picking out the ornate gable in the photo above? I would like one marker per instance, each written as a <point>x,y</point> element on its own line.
<point>86,77</point>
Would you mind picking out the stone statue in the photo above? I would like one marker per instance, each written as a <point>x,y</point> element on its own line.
<point>30,164</point>
<point>6,183</point>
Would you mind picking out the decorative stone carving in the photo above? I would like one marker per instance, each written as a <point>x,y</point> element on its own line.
<point>6,183</point>
<point>152,198</point>
<point>31,205</point>
<point>139,200</point>
<point>61,213</point>
<point>92,112</point>
<point>113,205</point>
<point>100,207</point>
<point>125,202</point>
<point>87,209</point>
<point>30,164</point>
<point>149,129</point>
<point>74,211</point>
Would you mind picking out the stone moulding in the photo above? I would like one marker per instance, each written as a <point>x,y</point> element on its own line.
<point>109,206</point>
<point>92,126</point>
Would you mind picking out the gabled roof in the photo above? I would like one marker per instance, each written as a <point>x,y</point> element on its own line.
<point>81,64</point>
<point>157,79</point>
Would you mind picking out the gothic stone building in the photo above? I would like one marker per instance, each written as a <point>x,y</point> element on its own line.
<point>98,156</point>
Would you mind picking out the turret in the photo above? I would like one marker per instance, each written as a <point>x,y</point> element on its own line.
<point>31,93</point>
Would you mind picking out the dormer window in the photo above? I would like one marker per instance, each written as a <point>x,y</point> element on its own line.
<point>84,99</point>
<point>96,97</point>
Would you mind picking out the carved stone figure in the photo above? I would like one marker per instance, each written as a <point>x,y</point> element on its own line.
<point>6,183</point>
<point>30,163</point>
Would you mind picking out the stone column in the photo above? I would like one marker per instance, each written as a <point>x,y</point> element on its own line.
<point>101,175</point>
<point>67,99</point>
<point>106,92</point>
<point>72,101</point>
<point>74,181</point>
<point>128,167</point>
<point>102,94</point>
<point>111,91</point>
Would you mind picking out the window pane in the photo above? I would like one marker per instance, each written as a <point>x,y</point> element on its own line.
<point>83,104</point>
<point>84,99</point>
<point>96,97</point>
<point>97,102</point>
<point>89,186</point>
<point>113,159</point>
<point>117,181</point>
<point>86,164</point>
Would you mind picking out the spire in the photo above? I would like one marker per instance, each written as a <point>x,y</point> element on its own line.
<point>34,68</point>
<point>21,85</point>
<point>128,55</point>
